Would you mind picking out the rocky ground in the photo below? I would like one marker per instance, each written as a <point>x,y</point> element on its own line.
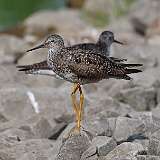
<point>121,118</point>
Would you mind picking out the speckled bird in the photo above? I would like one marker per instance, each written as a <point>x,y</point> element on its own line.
<point>103,46</point>
<point>81,66</point>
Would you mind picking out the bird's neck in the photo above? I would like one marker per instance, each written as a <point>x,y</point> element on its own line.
<point>104,47</point>
<point>52,52</point>
<point>55,50</point>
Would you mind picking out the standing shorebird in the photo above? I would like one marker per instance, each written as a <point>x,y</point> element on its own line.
<point>102,46</point>
<point>81,67</point>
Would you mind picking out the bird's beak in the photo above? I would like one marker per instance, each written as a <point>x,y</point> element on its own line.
<point>118,42</point>
<point>40,46</point>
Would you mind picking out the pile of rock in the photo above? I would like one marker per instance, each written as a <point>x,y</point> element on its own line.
<point>121,118</point>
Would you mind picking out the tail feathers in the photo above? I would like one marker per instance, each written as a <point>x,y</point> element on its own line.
<point>130,71</point>
<point>117,59</point>
<point>122,76</point>
<point>29,69</point>
<point>130,65</point>
<point>121,71</point>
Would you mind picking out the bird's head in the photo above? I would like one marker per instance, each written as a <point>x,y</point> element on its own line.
<point>107,38</point>
<point>53,41</point>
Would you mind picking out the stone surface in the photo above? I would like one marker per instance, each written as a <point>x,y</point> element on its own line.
<point>139,98</point>
<point>101,127</point>
<point>69,22</point>
<point>90,153</point>
<point>39,126</point>
<point>115,111</point>
<point>105,107</point>
<point>124,151</point>
<point>154,144</point>
<point>11,48</point>
<point>143,16</point>
<point>103,144</point>
<point>74,146</point>
<point>126,127</point>
<point>147,121</point>
<point>12,137</point>
<point>147,157</point>
<point>22,107</point>
<point>30,149</point>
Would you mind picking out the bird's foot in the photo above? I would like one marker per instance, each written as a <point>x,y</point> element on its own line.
<point>75,131</point>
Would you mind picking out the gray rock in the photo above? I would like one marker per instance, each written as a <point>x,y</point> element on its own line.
<point>69,22</point>
<point>140,12</point>
<point>147,119</point>
<point>100,146</point>
<point>146,80</point>
<point>156,118</point>
<point>12,137</point>
<point>18,99</point>
<point>39,126</point>
<point>57,130</point>
<point>143,142</point>
<point>101,127</point>
<point>90,153</point>
<point>154,144</point>
<point>31,149</point>
<point>139,98</point>
<point>156,112</point>
<point>3,118</point>
<point>158,95</point>
<point>74,146</point>
<point>15,98</point>
<point>147,157</point>
<point>11,47</point>
<point>126,127</point>
<point>104,144</point>
<point>124,151</point>
<point>105,107</point>
<point>139,53</point>
<point>153,148</point>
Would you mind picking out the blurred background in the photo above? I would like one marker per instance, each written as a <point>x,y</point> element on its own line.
<point>135,105</point>
<point>13,12</point>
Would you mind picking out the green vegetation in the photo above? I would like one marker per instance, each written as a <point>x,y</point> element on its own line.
<point>101,18</point>
<point>13,11</point>
<point>98,19</point>
<point>122,8</point>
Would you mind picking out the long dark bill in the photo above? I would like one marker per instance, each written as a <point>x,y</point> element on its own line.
<point>40,46</point>
<point>118,42</point>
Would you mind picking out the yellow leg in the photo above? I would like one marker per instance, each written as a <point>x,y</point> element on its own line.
<point>73,96</point>
<point>75,106</point>
<point>80,107</point>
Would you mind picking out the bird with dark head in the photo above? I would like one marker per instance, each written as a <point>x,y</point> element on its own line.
<point>80,66</point>
<point>103,45</point>
<point>105,41</point>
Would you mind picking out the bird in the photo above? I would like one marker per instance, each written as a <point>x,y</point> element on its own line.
<point>105,40</point>
<point>80,67</point>
<point>103,46</point>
